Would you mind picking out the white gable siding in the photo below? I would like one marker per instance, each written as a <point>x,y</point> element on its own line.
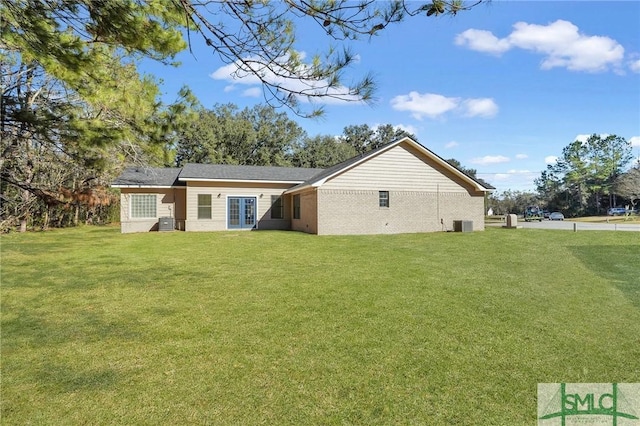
<point>398,169</point>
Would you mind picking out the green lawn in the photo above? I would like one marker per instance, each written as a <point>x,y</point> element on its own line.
<point>286,328</point>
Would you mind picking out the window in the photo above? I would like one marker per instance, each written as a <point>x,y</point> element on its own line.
<point>143,206</point>
<point>296,206</point>
<point>204,206</point>
<point>383,199</point>
<point>277,209</point>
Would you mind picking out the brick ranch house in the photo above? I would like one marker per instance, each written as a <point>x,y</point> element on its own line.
<point>401,187</point>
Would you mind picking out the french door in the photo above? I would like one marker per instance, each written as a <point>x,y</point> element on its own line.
<point>241,212</point>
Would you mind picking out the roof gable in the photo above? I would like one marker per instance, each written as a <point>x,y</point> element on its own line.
<point>330,173</point>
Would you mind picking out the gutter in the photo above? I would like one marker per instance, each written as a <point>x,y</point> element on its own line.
<point>149,186</point>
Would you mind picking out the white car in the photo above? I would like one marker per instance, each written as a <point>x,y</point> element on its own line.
<point>556,216</point>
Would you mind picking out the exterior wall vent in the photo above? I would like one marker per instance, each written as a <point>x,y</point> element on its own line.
<point>166,224</point>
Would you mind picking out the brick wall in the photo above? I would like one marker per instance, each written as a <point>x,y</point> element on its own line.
<point>357,212</point>
<point>308,221</point>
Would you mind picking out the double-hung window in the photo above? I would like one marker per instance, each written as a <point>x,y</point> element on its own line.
<point>143,206</point>
<point>204,206</point>
<point>277,209</point>
<point>383,199</point>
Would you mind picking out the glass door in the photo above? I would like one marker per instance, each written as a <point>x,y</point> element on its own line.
<point>242,212</point>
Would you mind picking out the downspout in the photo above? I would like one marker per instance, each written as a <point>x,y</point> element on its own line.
<point>438,205</point>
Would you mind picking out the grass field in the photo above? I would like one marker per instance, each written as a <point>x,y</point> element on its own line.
<point>285,328</point>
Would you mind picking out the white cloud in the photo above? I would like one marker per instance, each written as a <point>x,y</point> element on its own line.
<point>484,107</point>
<point>521,156</point>
<point>428,104</point>
<point>490,159</point>
<point>252,92</point>
<point>519,180</point>
<point>432,105</point>
<point>501,176</point>
<point>451,144</point>
<point>635,66</point>
<point>560,42</point>
<point>244,73</point>
<point>482,41</point>
<point>584,138</point>
<point>511,173</point>
<point>550,159</point>
<point>635,141</point>
<point>231,74</point>
<point>581,138</point>
<point>407,128</point>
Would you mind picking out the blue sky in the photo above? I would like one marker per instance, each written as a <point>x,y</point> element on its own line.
<point>501,88</point>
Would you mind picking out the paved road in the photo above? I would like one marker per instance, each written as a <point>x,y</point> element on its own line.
<point>579,226</point>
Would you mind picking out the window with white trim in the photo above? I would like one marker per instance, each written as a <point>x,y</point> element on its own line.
<point>383,199</point>
<point>143,206</point>
<point>204,206</point>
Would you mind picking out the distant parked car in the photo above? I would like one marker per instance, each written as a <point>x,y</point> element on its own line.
<point>545,214</point>
<point>556,216</point>
<point>615,211</point>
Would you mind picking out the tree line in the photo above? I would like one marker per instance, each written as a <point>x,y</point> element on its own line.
<point>588,178</point>
<point>263,136</point>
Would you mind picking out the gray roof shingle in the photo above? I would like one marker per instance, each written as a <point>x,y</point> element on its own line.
<point>244,173</point>
<point>140,176</point>
<point>148,176</point>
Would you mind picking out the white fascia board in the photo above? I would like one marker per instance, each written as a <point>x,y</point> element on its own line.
<point>291,182</point>
<point>321,182</point>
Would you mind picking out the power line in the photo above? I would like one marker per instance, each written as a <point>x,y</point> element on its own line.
<point>523,172</point>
